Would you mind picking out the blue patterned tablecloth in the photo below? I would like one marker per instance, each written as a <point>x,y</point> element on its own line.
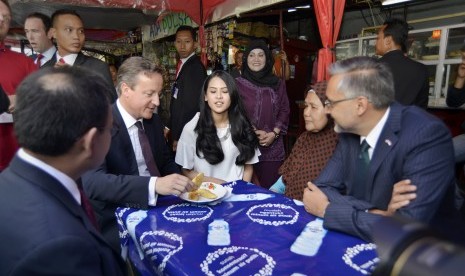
<point>171,238</point>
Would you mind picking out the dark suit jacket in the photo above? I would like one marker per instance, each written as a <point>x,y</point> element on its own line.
<point>4,100</point>
<point>95,65</point>
<point>413,145</point>
<point>411,79</point>
<point>189,84</point>
<point>116,183</point>
<point>45,231</point>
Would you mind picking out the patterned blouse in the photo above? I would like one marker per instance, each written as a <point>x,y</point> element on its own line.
<point>309,156</point>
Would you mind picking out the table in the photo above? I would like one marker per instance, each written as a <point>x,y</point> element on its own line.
<point>171,238</point>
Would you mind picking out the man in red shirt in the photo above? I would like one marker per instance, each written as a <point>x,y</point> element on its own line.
<point>14,67</point>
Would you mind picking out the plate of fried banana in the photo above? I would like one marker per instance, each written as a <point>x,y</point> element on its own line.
<point>205,191</point>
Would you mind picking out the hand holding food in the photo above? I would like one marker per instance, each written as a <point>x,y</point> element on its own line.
<point>197,193</point>
<point>198,179</point>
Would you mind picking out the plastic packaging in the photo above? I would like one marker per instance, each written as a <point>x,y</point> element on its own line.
<point>309,241</point>
<point>249,197</point>
<point>218,233</point>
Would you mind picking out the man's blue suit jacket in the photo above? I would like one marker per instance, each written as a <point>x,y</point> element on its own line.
<point>116,183</point>
<point>45,231</point>
<point>413,145</point>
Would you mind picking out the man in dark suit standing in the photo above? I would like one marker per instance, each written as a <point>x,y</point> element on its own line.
<point>190,75</point>
<point>385,149</point>
<point>411,78</point>
<point>68,31</point>
<point>45,229</point>
<point>127,177</point>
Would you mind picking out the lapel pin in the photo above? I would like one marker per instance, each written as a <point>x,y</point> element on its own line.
<point>388,142</point>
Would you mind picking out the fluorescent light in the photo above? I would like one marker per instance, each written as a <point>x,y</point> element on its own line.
<point>392,2</point>
<point>303,7</point>
<point>291,10</point>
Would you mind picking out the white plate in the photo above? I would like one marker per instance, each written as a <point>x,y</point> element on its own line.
<point>218,190</point>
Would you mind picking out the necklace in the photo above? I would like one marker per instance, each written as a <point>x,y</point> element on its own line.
<point>226,135</point>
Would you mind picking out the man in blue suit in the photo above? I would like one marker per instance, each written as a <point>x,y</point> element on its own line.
<point>125,179</point>
<point>407,147</point>
<point>63,125</point>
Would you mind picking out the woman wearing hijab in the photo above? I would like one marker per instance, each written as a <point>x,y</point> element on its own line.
<point>312,149</point>
<point>265,99</point>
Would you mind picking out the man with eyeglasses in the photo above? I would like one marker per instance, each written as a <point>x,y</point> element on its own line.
<point>390,159</point>
<point>14,67</point>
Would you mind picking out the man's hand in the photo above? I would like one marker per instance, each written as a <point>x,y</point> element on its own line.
<point>173,184</point>
<point>460,80</point>
<point>402,194</point>
<point>175,145</point>
<point>315,201</point>
<point>12,99</point>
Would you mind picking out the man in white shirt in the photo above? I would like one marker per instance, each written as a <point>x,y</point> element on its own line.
<point>63,126</point>
<point>384,153</point>
<point>139,165</point>
<point>37,29</point>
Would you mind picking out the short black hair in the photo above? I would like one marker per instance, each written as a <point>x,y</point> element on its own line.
<point>56,106</point>
<point>45,19</point>
<point>398,30</point>
<point>186,28</point>
<point>63,12</point>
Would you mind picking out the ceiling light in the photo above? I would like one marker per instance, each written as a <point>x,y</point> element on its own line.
<point>392,2</point>
<point>291,10</point>
<point>303,7</point>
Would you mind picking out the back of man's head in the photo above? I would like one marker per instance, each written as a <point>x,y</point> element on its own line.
<point>365,76</point>
<point>398,30</point>
<point>56,106</point>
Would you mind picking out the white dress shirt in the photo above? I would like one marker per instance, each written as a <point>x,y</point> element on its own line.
<point>373,137</point>
<point>69,59</point>
<point>47,55</point>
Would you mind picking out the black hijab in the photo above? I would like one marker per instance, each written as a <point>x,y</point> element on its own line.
<point>264,77</point>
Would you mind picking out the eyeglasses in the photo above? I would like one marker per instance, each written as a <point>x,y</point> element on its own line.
<point>331,104</point>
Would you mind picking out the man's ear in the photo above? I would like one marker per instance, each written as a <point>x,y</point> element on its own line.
<point>124,89</point>
<point>362,105</point>
<point>88,141</point>
<point>52,33</point>
<point>388,42</point>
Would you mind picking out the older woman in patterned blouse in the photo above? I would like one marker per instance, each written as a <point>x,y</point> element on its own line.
<point>312,149</point>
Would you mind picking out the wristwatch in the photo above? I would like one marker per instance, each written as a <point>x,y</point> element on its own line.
<point>276,135</point>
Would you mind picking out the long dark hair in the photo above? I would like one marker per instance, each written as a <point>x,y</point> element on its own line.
<point>242,133</point>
